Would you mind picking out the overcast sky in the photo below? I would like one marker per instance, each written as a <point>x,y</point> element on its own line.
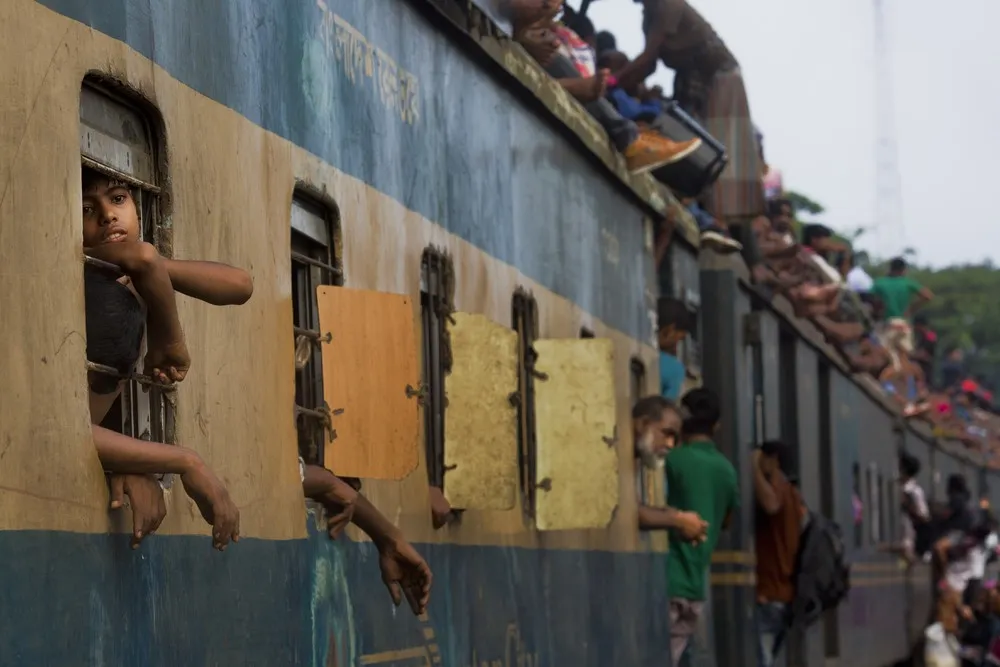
<point>809,67</point>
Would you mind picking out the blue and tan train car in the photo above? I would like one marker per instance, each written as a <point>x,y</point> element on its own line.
<point>423,214</point>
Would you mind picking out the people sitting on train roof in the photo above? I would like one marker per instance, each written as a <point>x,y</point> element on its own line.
<point>818,242</point>
<point>656,429</point>
<point>857,278</point>
<point>713,234</point>
<point>709,86</point>
<point>952,370</point>
<point>925,346</point>
<point>699,479</point>
<point>404,572</point>
<point>901,296</point>
<point>674,323</point>
<point>115,322</point>
<point>777,527</point>
<point>569,59</point>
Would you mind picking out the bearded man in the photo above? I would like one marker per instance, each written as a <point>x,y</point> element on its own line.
<point>656,424</point>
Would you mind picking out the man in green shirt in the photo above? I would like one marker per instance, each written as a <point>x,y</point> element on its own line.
<point>700,479</point>
<point>899,293</point>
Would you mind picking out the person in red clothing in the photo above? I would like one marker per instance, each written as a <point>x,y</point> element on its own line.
<point>778,527</point>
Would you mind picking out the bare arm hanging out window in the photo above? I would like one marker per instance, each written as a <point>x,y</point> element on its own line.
<point>404,572</point>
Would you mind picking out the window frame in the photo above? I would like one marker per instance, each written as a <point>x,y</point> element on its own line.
<point>637,384</point>
<point>524,320</point>
<point>145,416</point>
<point>313,262</point>
<point>435,309</point>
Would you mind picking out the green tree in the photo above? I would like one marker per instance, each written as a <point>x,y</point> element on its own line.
<point>803,204</point>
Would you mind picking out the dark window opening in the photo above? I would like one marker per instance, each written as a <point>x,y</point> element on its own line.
<point>435,307</point>
<point>637,374</point>
<point>117,140</point>
<point>314,263</point>
<point>525,322</point>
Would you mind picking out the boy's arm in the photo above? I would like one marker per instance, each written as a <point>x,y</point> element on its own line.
<point>168,357</point>
<point>212,282</point>
<point>122,454</point>
<point>691,526</point>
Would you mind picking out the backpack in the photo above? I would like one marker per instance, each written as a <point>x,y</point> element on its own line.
<point>822,574</point>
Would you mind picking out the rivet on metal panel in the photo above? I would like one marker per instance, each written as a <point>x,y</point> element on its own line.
<point>416,393</point>
<point>545,484</point>
<point>514,399</point>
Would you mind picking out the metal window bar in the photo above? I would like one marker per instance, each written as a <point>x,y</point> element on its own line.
<point>313,264</point>
<point>432,306</point>
<point>638,373</point>
<point>525,322</point>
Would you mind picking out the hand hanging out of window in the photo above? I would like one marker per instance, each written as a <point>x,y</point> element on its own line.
<point>404,572</point>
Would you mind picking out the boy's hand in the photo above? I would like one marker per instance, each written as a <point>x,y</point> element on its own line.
<point>338,501</point>
<point>405,573</point>
<point>146,498</point>
<point>166,363</point>
<point>213,500</point>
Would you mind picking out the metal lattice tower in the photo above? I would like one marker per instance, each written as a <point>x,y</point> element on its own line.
<point>889,229</point>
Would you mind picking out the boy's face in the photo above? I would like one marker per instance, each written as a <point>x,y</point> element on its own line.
<point>109,214</point>
<point>669,337</point>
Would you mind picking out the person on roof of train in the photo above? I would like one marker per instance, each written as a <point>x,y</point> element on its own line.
<point>656,424</point>
<point>121,311</point>
<point>709,86</point>
<point>568,57</point>
<point>778,526</point>
<point>699,479</point>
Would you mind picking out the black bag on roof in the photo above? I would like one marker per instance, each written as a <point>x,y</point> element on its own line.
<point>822,574</point>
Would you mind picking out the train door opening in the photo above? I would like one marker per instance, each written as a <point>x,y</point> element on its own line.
<point>831,625</point>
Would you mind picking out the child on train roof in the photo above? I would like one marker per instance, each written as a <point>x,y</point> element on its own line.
<point>118,308</point>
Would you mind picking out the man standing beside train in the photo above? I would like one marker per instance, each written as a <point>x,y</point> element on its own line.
<point>700,479</point>
<point>778,528</point>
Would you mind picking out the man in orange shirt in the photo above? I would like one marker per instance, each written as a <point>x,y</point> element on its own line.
<point>779,526</point>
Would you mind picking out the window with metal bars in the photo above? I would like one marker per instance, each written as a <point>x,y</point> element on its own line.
<point>314,263</point>
<point>117,140</point>
<point>525,322</point>
<point>435,269</point>
<point>637,375</point>
<point>637,387</point>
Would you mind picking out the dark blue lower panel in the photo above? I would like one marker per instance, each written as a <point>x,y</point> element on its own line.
<point>73,599</point>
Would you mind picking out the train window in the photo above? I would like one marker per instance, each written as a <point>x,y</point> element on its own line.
<point>637,375</point>
<point>859,512</point>
<point>874,513</point>
<point>371,374</point>
<point>577,484</point>
<point>525,322</point>
<point>637,388</point>
<point>314,263</point>
<point>118,142</point>
<point>480,459</point>
<point>436,292</point>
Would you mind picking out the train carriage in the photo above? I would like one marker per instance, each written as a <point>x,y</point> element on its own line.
<point>417,202</point>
